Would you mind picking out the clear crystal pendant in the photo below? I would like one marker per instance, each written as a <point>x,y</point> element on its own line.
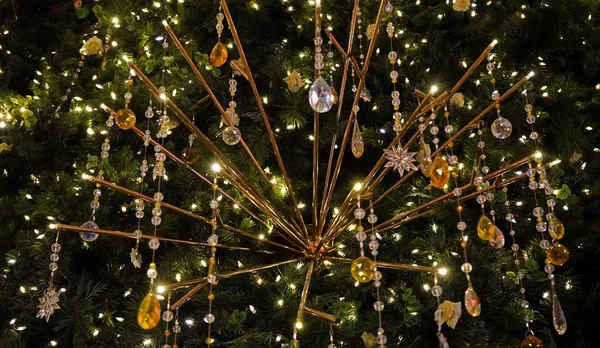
<point>357,145</point>
<point>558,316</point>
<point>319,96</point>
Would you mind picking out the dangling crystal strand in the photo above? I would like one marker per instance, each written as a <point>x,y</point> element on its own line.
<point>558,316</point>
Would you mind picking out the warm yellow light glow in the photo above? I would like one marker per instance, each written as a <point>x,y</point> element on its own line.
<point>434,89</point>
<point>161,289</point>
<point>358,186</point>
<point>216,167</point>
<point>299,325</point>
<point>442,271</point>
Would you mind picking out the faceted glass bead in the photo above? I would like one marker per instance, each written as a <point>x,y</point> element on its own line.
<point>532,342</point>
<point>558,316</point>
<point>497,241</point>
<point>190,155</point>
<point>362,269</point>
<point>359,213</point>
<point>501,128</point>
<point>334,95</point>
<point>558,254</point>
<point>439,173</point>
<point>148,315</point>
<point>167,315</point>
<point>89,236</point>
<point>556,229</point>
<point>378,306</point>
<point>319,96</point>
<point>231,135</point>
<point>472,303</point>
<point>125,119</point>
<point>357,145</point>
<point>218,55</point>
<point>485,228</point>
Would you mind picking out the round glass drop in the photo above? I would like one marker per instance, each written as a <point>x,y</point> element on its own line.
<point>501,128</point>
<point>89,236</point>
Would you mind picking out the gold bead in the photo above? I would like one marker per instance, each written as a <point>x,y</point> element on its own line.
<point>396,107</point>
<point>211,260</point>
<point>446,114</point>
<point>209,340</point>
<point>127,101</point>
<point>451,144</point>
<point>459,208</point>
<point>129,82</point>
<point>493,80</point>
<point>152,266</point>
<point>96,198</point>
<point>167,333</point>
<point>497,106</point>
<point>463,244</point>
<point>361,228</point>
<point>175,346</point>
<point>211,296</point>
<point>157,204</point>
<point>540,219</point>
<point>106,140</point>
<point>394,80</point>
<point>215,186</point>
<point>101,172</point>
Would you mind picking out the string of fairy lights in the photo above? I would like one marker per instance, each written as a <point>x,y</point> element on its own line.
<point>373,244</point>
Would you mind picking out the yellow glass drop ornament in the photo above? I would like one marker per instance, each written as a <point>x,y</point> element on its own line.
<point>556,229</point>
<point>362,269</point>
<point>190,155</point>
<point>472,303</point>
<point>357,145</point>
<point>440,174</point>
<point>334,95</point>
<point>532,342</point>
<point>125,119</point>
<point>148,315</point>
<point>424,158</point>
<point>558,254</point>
<point>485,228</point>
<point>218,55</point>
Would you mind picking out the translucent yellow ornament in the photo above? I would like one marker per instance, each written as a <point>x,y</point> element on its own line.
<point>362,269</point>
<point>218,55</point>
<point>532,342</point>
<point>357,145</point>
<point>125,119</point>
<point>485,228</point>
<point>439,173</point>
<point>472,303</point>
<point>334,95</point>
<point>190,155</point>
<point>556,229</point>
<point>148,315</point>
<point>424,158</point>
<point>558,254</point>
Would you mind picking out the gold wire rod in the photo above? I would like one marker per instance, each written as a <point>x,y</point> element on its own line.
<point>188,295</point>
<point>145,236</point>
<point>361,85</point>
<point>319,314</point>
<point>344,53</point>
<point>184,212</point>
<point>231,173</point>
<point>205,179</point>
<point>324,202</point>
<point>315,171</point>
<point>304,296</point>
<point>263,113</point>
<point>483,113</point>
<point>213,97</point>
<point>174,286</point>
<point>391,265</point>
<point>499,172</point>
<point>200,102</point>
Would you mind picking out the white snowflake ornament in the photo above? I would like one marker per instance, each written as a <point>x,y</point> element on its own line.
<point>48,303</point>
<point>400,159</point>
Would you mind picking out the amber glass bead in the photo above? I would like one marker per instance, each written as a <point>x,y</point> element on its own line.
<point>211,297</point>
<point>556,229</point>
<point>125,119</point>
<point>532,342</point>
<point>485,228</point>
<point>190,155</point>
<point>362,269</point>
<point>218,55</point>
<point>463,244</point>
<point>439,173</point>
<point>558,254</point>
<point>148,315</point>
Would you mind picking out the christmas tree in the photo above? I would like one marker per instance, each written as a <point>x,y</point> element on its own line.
<point>68,70</point>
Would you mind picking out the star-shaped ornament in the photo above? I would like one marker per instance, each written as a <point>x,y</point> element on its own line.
<point>48,303</point>
<point>400,159</point>
<point>136,258</point>
<point>365,94</point>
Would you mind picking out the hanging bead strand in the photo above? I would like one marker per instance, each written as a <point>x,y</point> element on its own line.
<point>374,246</point>
<point>211,278</point>
<point>50,297</point>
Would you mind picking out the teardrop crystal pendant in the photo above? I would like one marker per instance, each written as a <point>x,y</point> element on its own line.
<point>485,228</point>
<point>440,173</point>
<point>424,158</point>
<point>558,316</point>
<point>532,342</point>
<point>334,95</point>
<point>319,96</point>
<point>556,229</point>
<point>497,241</point>
<point>472,303</point>
<point>218,55</point>
<point>148,315</point>
<point>357,145</point>
<point>501,128</point>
